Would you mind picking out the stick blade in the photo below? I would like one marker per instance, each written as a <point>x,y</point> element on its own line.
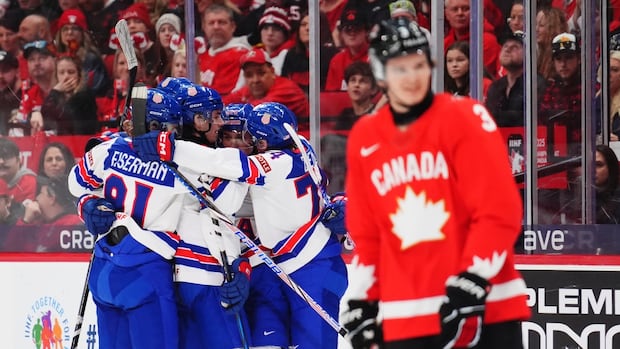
<point>138,109</point>
<point>124,39</point>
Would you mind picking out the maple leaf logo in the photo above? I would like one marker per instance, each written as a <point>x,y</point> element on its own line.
<point>417,219</point>
<point>361,277</point>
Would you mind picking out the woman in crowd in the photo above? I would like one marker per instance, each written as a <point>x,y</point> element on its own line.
<point>73,39</point>
<point>549,23</point>
<point>456,75</point>
<point>70,107</point>
<point>55,161</point>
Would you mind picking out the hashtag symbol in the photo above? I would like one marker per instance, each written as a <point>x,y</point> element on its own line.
<point>92,333</point>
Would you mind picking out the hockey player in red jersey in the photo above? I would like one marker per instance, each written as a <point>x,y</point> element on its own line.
<point>433,210</point>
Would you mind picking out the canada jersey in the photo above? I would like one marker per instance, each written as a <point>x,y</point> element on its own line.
<point>427,202</point>
<point>147,191</point>
<point>285,199</point>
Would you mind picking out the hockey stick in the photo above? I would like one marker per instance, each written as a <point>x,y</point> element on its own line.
<point>82,308</point>
<point>137,97</point>
<point>124,39</point>
<point>315,173</point>
<point>217,214</point>
<point>228,275</point>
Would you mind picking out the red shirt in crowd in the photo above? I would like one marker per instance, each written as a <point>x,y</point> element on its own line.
<point>340,62</point>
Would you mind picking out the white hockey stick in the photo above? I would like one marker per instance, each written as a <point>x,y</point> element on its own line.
<point>315,173</point>
<point>217,214</point>
<point>126,43</point>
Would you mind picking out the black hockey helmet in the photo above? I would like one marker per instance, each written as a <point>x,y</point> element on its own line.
<point>394,38</point>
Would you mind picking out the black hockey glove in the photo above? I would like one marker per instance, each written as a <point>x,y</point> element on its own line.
<point>235,292</point>
<point>463,311</point>
<point>361,322</point>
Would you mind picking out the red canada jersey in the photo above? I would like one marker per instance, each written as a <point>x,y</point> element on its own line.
<point>427,201</point>
<point>221,69</point>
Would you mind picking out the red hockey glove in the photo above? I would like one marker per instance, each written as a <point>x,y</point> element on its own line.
<point>462,313</point>
<point>361,322</point>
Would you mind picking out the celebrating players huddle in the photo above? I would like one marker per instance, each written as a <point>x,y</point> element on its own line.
<point>431,249</point>
<point>165,273</point>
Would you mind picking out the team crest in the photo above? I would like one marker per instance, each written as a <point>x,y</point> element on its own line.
<point>72,19</point>
<point>192,91</point>
<point>266,119</point>
<point>158,98</point>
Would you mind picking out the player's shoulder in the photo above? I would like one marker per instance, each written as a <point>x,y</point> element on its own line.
<point>464,113</point>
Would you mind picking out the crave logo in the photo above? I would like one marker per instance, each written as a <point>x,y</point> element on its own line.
<point>46,324</point>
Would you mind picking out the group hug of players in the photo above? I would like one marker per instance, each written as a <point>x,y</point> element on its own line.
<point>432,251</point>
<point>158,275</point>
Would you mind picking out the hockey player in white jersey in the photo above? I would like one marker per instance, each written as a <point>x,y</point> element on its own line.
<point>287,206</point>
<point>198,275</point>
<point>131,275</point>
<point>266,306</point>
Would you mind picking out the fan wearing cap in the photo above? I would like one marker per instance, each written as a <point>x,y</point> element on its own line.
<point>263,85</point>
<point>21,180</point>
<point>219,65</point>
<point>73,39</point>
<point>143,35</point>
<point>505,96</point>
<point>167,25</point>
<point>353,29</point>
<point>561,100</point>
<point>429,276</point>
<point>41,58</point>
<point>275,30</point>
<point>10,89</point>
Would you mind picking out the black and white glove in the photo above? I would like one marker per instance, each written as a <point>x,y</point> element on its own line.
<point>361,322</point>
<point>463,311</point>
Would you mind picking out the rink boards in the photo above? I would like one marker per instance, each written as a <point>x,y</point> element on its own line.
<point>575,300</point>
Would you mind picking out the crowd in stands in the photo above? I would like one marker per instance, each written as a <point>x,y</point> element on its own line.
<point>62,71</point>
<point>42,44</point>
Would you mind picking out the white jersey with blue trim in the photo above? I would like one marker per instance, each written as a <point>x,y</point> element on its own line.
<point>147,191</point>
<point>286,201</point>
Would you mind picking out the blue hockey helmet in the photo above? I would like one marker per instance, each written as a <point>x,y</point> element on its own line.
<point>236,116</point>
<point>162,110</point>
<point>267,122</point>
<point>174,85</point>
<point>198,100</point>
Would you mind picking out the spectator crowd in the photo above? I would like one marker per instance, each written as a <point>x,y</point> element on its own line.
<point>62,71</point>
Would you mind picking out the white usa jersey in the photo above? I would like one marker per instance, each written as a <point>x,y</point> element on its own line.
<point>286,201</point>
<point>147,191</point>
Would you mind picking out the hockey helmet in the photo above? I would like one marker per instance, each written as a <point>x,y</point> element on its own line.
<point>174,85</point>
<point>198,100</point>
<point>395,38</point>
<point>267,122</point>
<point>162,110</point>
<point>236,116</point>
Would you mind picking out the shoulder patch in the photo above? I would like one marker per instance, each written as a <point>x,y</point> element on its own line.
<point>263,163</point>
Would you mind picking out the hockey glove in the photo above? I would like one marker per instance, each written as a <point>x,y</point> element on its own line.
<point>333,214</point>
<point>234,293</point>
<point>361,322</point>
<point>463,311</point>
<point>97,214</point>
<point>154,146</point>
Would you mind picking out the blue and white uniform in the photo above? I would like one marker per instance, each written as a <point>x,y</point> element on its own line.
<point>287,205</point>
<point>131,282</point>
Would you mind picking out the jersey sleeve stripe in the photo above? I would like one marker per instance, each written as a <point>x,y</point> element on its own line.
<point>86,177</point>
